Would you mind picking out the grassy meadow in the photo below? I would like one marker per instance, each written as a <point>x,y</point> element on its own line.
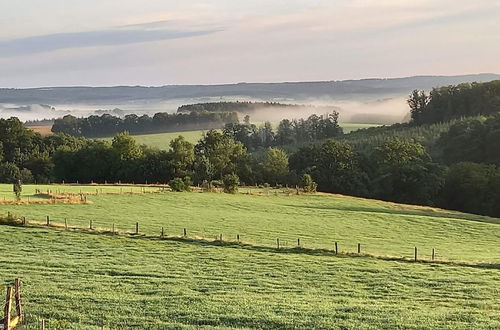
<point>79,280</point>
<point>162,140</point>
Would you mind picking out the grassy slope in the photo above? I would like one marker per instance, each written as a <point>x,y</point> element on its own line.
<point>319,220</point>
<point>77,279</point>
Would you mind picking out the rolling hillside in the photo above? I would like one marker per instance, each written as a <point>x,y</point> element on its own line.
<point>80,278</point>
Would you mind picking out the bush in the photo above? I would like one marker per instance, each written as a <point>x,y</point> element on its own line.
<point>231,182</point>
<point>307,184</point>
<point>187,183</point>
<point>177,184</point>
<point>18,188</point>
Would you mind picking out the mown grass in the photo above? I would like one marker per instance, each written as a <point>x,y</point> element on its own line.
<point>318,220</point>
<point>82,280</point>
<point>29,191</point>
<point>162,140</point>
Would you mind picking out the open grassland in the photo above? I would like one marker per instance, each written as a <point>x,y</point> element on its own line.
<point>318,220</point>
<point>80,280</point>
<point>30,191</point>
<point>83,281</point>
<point>162,140</point>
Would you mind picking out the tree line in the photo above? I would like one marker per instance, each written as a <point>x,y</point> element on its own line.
<point>243,107</point>
<point>455,166</point>
<point>296,131</point>
<point>451,102</point>
<point>108,125</point>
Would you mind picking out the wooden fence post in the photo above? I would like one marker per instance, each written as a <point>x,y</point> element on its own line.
<point>278,243</point>
<point>238,237</point>
<point>162,232</point>
<point>298,242</point>
<point>416,253</point>
<point>113,230</point>
<point>24,221</point>
<point>48,221</point>
<point>90,224</point>
<point>65,223</point>
<point>137,228</point>
<point>19,308</point>
<point>220,238</point>
<point>433,254</point>
<point>359,248</point>
<point>336,248</point>
<point>8,307</point>
<point>185,232</point>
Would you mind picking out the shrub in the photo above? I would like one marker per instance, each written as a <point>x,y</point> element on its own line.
<point>18,188</point>
<point>307,184</point>
<point>231,182</point>
<point>177,184</point>
<point>187,183</point>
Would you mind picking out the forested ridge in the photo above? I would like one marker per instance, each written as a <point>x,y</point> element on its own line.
<point>453,164</point>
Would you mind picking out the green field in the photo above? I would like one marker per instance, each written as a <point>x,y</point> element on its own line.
<point>78,279</point>
<point>162,140</point>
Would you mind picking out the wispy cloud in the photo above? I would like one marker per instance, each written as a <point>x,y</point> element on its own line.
<point>132,34</point>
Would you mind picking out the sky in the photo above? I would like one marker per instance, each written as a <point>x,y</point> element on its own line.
<point>159,42</point>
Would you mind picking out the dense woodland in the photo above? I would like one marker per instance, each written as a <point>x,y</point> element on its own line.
<point>451,102</point>
<point>108,125</point>
<point>246,107</point>
<point>454,164</point>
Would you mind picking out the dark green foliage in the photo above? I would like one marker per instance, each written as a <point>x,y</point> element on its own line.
<point>333,165</point>
<point>245,107</point>
<point>217,155</point>
<point>231,183</point>
<point>18,189</point>
<point>9,172</point>
<point>405,173</point>
<point>177,184</point>
<point>314,128</point>
<point>473,188</point>
<point>187,183</point>
<point>452,102</point>
<point>473,140</point>
<point>307,184</point>
<point>275,165</point>
<point>107,125</point>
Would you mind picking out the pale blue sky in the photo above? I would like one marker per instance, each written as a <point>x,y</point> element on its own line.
<point>157,42</point>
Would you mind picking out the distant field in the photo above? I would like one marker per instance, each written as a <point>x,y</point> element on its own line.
<point>162,140</point>
<point>43,129</point>
<point>79,280</point>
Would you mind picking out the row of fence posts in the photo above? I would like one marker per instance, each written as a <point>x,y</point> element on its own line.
<point>278,245</point>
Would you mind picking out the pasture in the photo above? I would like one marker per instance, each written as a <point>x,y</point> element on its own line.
<point>85,279</point>
<point>162,140</point>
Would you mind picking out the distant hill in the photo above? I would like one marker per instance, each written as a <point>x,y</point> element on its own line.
<point>365,89</point>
